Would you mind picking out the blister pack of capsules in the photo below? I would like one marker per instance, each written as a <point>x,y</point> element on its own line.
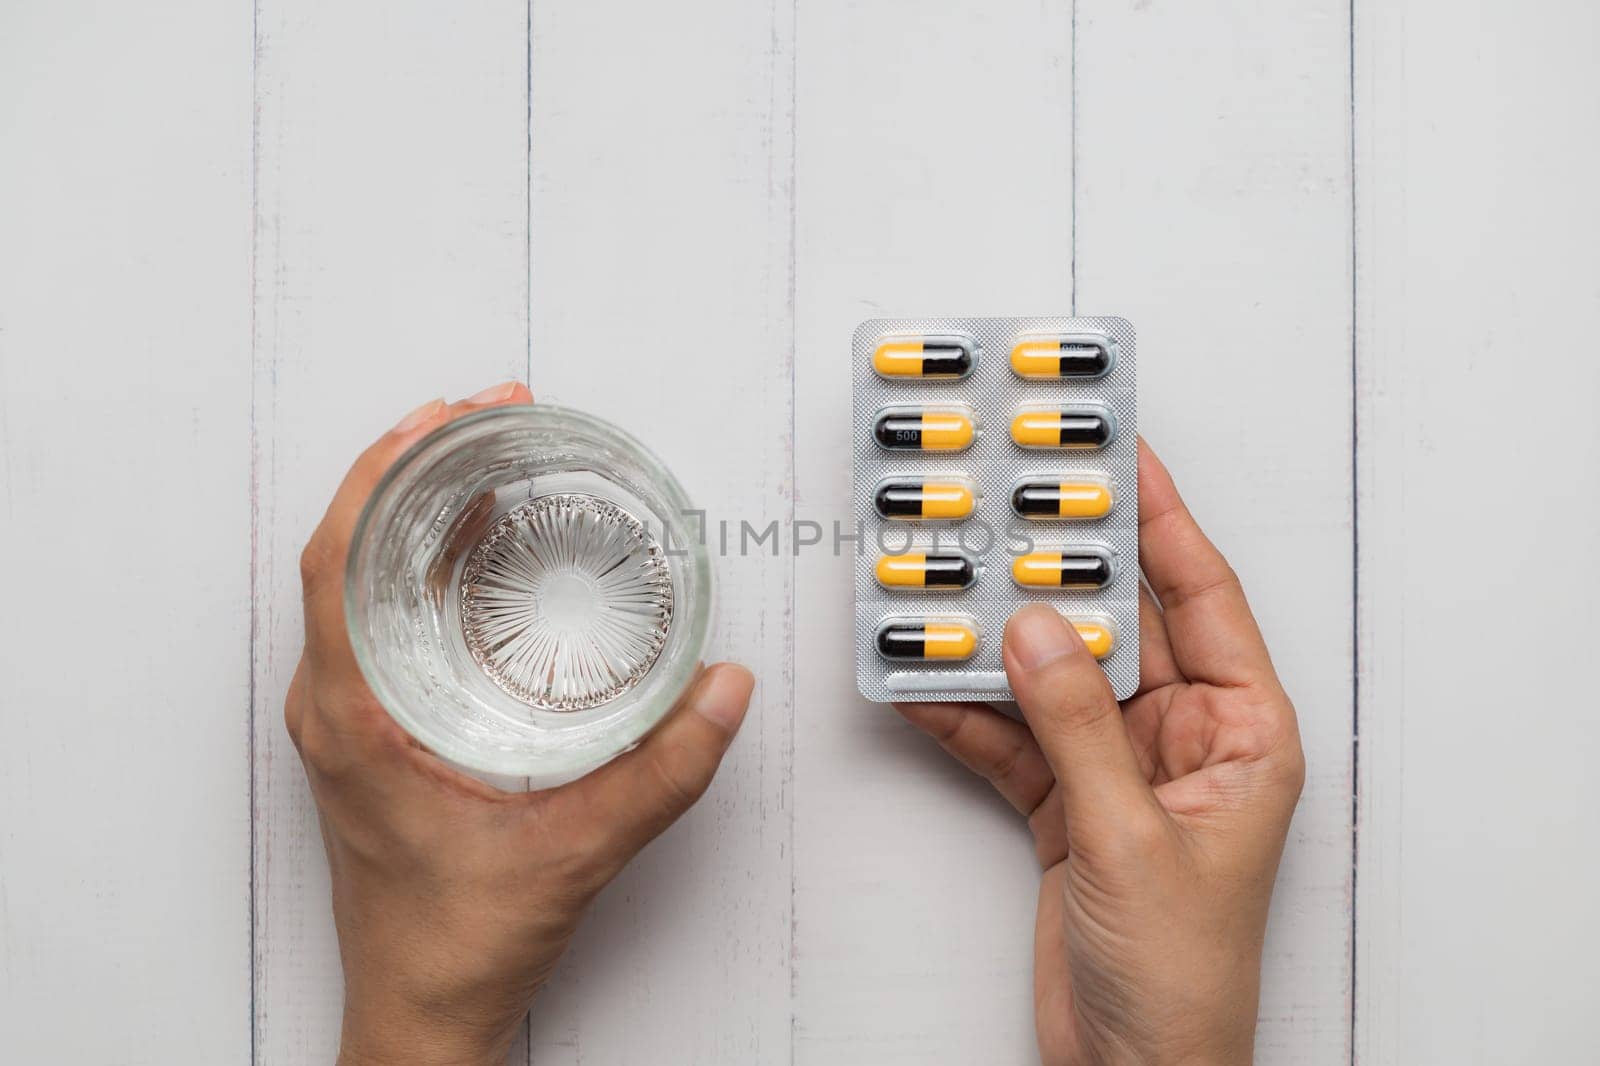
<point>996,465</point>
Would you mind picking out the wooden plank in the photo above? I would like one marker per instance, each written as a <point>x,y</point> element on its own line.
<point>1477,238</point>
<point>124,521</point>
<point>1214,206</point>
<point>934,150</point>
<point>661,269</point>
<point>391,266</point>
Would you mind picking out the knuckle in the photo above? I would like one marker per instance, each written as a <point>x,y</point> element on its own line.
<point>313,560</point>
<point>1224,580</point>
<point>321,746</point>
<point>1004,765</point>
<point>1290,766</point>
<point>294,704</point>
<point>949,733</point>
<point>678,785</point>
<point>1284,755</point>
<point>312,743</point>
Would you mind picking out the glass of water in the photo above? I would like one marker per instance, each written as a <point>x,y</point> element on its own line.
<point>528,592</point>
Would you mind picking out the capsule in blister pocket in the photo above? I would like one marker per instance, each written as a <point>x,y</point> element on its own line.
<point>948,638</point>
<point>946,572</point>
<point>1081,425</point>
<point>937,497</point>
<point>1063,355</point>
<point>1072,496</point>
<point>1098,632</point>
<point>1082,566</point>
<point>951,356</point>
<point>925,428</point>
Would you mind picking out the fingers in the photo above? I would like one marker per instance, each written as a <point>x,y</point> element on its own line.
<point>325,551</point>
<point>322,564</point>
<point>1213,634</point>
<point>1069,706</point>
<point>1157,667</point>
<point>1001,750</point>
<point>628,802</point>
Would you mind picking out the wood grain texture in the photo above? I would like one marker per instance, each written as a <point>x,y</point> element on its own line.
<point>661,299</point>
<point>125,530</point>
<point>934,176</point>
<point>1478,310</point>
<point>675,221</point>
<point>390,267</point>
<point>1214,201</point>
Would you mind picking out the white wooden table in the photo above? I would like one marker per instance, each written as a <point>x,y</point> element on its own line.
<point>1361,244</point>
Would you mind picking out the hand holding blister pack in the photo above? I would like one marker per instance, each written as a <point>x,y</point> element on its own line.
<point>996,465</point>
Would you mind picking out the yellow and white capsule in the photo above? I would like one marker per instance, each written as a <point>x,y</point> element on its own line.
<point>1076,496</point>
<point>914,427</point>
<point>946,638</point>
<point>1064,355</point>
<point>1073,426</point>
<point>925,357</point>
<point>948,498</point>
<point>916,570</point>
<point>1099,633</point>
<point>1082,566</point>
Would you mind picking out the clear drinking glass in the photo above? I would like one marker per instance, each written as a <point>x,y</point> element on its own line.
<point>526,592</point>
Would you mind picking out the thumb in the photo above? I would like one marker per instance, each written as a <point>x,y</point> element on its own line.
<point>1069,706</point>
<point>629,801</point>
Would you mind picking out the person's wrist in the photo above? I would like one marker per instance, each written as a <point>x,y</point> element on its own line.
<point>1216,1057</point>
<point>410,1057</point>
<point>1216,1048</point>
<point>387,1038</point>
<point>435,1052</point>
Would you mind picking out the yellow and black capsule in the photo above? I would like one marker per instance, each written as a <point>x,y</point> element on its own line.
<point>948,498</point>
<point>926,429</point>
<point>1097,633</point>
<point>1065,355</point>
<point>921,639</point>
<point>1070,497</point>
<point>1077,426</point>
<point>1082,567</point>
<point>916,570</point>
<point>925,357</point>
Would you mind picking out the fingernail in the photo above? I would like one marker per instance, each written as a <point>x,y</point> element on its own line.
<point>1037,635</point>
<point>494,393</point>
<point>419,416</point>
<point>724,696</point>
